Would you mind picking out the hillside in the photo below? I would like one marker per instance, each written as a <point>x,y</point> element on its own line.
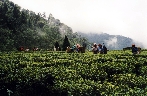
<point>113,42</point>
<point>21,27</point>
<point>45,73</point>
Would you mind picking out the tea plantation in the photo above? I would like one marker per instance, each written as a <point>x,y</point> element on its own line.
<point>46,73</point>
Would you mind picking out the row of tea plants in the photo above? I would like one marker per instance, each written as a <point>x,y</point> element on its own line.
<point>45,73</point>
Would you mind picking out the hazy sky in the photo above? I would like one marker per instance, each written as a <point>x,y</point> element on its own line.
<point>116,17</point>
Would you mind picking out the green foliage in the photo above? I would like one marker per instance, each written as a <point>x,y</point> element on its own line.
<point>21,27</point>
<point>65,74</point>
<point>6,42</point>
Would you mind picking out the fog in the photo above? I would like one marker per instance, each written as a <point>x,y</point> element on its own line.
<point>115,17</point>
<point>112,42</point>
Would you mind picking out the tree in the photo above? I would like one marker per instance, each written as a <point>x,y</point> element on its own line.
<point>56,44</point>
<point>6,43</point>
<point>65,43</point>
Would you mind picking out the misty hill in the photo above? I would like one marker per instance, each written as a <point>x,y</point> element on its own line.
<point>112,42</point>
<point>21,27</point>
<point>63,28</point>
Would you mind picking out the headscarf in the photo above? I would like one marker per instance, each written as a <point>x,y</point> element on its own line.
<point>78,45</point>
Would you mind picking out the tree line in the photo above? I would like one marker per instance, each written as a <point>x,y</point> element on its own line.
<point>21,27</point>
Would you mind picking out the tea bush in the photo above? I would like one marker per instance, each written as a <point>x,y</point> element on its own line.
<point>45,73</point>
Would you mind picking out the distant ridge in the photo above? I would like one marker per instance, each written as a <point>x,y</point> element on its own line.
<point>113,42</point>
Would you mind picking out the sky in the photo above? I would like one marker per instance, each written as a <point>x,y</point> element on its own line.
<point>115,17</point>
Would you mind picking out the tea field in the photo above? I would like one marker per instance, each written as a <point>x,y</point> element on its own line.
<point>48,73</point>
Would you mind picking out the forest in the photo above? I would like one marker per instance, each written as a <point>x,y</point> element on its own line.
<point>21,27</point>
